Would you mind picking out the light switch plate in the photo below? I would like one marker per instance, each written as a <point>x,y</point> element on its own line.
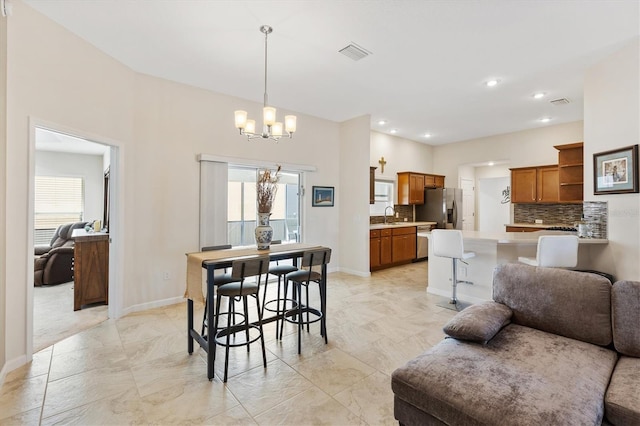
<point>538,220</point>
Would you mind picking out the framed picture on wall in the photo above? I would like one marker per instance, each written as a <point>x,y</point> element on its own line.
<point>322,196</point>
<point>616,171</point>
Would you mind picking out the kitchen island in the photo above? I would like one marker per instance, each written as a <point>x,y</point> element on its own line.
<point>491,249</point>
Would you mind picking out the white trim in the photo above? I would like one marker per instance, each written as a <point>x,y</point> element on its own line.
<point>353,272</point>
<point>11,365</point>
<point>116,225</point>
<point>235,161</point>
<point>155,304</point>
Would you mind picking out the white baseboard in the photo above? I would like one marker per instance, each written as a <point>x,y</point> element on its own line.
<point>354,272</point>
<point>10,366</point>
<point>154,304</point>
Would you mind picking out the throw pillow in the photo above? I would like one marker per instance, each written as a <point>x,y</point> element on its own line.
<point>479,323</point>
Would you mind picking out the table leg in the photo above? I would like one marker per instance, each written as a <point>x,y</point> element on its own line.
<point>211,332</point>
<point>189,325</point>
<point>323,303</point>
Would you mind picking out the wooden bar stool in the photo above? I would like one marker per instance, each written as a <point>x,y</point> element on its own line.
<point>237,291</point>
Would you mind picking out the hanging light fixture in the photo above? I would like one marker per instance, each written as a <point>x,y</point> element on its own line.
<point>271,129</point>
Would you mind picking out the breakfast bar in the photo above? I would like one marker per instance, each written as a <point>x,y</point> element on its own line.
<point>491,249</point>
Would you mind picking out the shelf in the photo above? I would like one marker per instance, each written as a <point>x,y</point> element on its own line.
<point>570,165</point>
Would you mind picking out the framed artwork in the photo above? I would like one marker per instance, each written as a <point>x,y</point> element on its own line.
<point>616,171</point>
<point>322,196</point>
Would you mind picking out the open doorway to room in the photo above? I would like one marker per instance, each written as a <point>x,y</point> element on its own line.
<point>71,197</point>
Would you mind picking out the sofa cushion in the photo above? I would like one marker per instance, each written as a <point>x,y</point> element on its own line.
<point>569,303</point>
<point>622,401</point>
<point>478,323</point>
<point>625,307</point>
<point>522,376</point>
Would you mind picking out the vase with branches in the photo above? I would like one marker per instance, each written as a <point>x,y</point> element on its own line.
<point>266,189</point>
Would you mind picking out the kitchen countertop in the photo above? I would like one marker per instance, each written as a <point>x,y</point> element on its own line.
<point>399,225</point>
<point>516,237</point>
<point>539,225</point>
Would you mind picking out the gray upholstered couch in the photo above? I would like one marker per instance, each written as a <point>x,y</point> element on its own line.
<point>555,347</point>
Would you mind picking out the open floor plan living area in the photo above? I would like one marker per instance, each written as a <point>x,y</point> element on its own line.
<point>342,212</point>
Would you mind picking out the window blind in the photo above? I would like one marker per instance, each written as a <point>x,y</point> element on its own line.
<point>58,200</point>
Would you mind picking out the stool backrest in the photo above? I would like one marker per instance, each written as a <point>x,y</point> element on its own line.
<point>447,243</point>
<point>316,257</point>
<point>557,251</point>
<point>249,267</point>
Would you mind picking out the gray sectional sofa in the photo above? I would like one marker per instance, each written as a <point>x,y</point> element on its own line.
<point>555,347</point>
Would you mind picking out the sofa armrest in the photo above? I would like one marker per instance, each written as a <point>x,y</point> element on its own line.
<point>61,250</point>
<point>479,323</point>
<point>40,250</point>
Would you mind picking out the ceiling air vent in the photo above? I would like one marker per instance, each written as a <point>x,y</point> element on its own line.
<point>354,52</point>
<point>558,102</point>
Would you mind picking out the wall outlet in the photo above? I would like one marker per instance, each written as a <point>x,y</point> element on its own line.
<point>397,215</point>
<point>166,276</point>
<point>538,220</point>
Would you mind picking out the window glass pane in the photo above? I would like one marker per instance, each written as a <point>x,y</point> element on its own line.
<point>242,206</point>
<point>58,200</point>
<point>383,192</point>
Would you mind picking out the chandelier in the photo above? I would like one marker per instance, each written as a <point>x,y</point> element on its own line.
<point>271,129</point>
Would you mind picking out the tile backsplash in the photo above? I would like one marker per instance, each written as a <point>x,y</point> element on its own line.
<point>403,212</point>
<point>595,212</point>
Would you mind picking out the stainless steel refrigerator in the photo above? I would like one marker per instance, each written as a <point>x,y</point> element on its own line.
<point>441,205</point>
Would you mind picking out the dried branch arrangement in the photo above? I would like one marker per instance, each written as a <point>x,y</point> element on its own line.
<point>266,188</point>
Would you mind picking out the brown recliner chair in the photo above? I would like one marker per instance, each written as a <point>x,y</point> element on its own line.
<point>53,262</point>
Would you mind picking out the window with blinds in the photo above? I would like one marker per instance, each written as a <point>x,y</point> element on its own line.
<point>58,200</point>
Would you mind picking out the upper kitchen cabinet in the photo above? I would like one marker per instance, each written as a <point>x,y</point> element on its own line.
<point>534,184</point>
<point>433,181</point>
<point>410,188</point>
<point>570,172</point>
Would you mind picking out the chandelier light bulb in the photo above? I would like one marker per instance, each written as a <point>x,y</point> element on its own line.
<point>269,115</point>
<point>290,123</point>
<point>250,126</point>
<point>277,129</point>
<point>241,119</point>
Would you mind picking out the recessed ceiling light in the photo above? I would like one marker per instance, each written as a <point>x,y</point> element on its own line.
<point>382,122</point>
<point>539,95</point>
<point>545,120</point>
<point>490,163</point>
<point>492,83</point>
<point>427,135</point>
<point>393,131</point>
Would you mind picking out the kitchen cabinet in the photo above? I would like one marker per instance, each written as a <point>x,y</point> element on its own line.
<point>372,185</point>
<point>433,181</point>
<point>403,245</point>
<point>570,172</point>
<point>410,188</point>
<point>534,184</point>
<point>90,268</point>
<point>391,247</point>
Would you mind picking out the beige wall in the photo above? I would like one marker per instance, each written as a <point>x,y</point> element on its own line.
<point>611,120</point>
<point>401,155</point>
<point>519,149</point>
<point>159,127</point>
<point>354,195</point>
<point>3,202</point>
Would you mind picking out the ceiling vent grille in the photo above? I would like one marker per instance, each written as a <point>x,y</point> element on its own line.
<point>558,102</point>
<point>354,52</point>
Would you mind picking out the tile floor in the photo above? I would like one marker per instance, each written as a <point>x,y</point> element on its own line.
<point>136,370</point>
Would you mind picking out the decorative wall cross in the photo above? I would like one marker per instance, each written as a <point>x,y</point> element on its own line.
<point>382,163</point>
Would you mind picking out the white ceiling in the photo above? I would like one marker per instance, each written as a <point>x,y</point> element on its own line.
<point>47,140</point>
<point>427,70</point>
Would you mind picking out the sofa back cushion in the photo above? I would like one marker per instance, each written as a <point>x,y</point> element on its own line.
<point>625,306</point>
<point>568,303</point>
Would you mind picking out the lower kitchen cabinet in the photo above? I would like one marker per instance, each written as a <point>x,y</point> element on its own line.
<point>391,247</point>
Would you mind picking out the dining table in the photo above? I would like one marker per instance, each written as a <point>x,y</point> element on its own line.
<point>215,260</point>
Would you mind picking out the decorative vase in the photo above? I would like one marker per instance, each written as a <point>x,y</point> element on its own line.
<point>264,231</point>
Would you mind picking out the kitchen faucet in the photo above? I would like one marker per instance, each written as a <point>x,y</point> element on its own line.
<point>385,213</point>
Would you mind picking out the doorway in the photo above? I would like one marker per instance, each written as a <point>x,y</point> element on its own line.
<point>64,156</point>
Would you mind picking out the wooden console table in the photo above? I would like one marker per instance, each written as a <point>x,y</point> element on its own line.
<point>90,268</point>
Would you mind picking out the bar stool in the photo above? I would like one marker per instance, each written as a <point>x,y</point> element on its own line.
<point>448,243</point>
<point>218,280</point>
<point>302,278</point>
<point>236,291</point>
<point>555,251</point>
<point>281,272</point>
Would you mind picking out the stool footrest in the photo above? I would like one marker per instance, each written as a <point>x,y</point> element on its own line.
<point>238,334</point>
